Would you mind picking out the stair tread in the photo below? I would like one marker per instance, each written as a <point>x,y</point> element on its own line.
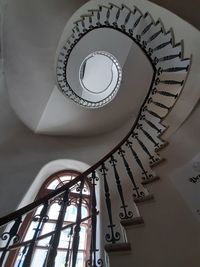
<point>144,198</point>
<point>149,181</point>
<point>131,222</point>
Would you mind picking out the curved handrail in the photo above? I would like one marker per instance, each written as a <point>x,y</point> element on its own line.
<point>4,220</point>
<point>10,217</point>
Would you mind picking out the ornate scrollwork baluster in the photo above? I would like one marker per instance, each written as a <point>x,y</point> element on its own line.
<point>136,190</point>
<point>53,244</point>
<point>40,218</point>
<point>175,69</point>
<point>137,22</point>
<point>146,28</point>
<point>170,57</point>
<point>11,237</point>
<point>151,124</point>
<point>158,104</point>
<point>113,237</point>
<point>125,214</point>
<point>162,45</point>
<point>152,159</point>
<point>93,262</point>
<point>145,173</point>
<point>153,113</point>
<point>77,228</point>
<point>151,38</point>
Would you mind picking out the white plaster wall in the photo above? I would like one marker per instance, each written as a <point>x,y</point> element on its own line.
<point>171,235</point>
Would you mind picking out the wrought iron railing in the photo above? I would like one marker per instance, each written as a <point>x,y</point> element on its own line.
<point>12,237</point>
<point>151,37</point>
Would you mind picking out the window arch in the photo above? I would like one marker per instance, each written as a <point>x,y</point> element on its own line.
<point>53,182</point>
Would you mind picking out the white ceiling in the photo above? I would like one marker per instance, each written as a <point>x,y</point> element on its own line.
<point>31,35</point>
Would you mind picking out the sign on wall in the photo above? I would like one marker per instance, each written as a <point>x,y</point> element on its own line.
<point>187,182</point>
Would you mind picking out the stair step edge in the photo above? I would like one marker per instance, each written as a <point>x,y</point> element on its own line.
<point>149,181</point>
<point>144,199</point>
<point>118,247</point>
<point>153,165</point>
<point>132,222</point>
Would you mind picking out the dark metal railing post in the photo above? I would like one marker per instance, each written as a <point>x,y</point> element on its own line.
<point>137,159</point>
<point>54,242</point>
<point>67,259</point>
<point>113,237</point>
<point>93,262</point>
<point>77,228</point>
<point>136,190</point>
<point>125,214</point>
<point>11,237</point>
<point>40,218</point>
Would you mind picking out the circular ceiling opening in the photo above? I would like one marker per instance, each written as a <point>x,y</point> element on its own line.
<point>96,73</point>
<point>100,78</point>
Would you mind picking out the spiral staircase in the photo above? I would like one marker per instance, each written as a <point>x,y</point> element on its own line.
<point>127,170</point>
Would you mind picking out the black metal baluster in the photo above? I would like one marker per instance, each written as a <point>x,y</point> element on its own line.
<point>150,124</point>
<point>165,93</point>
<point>116,18</point>
<point>77,228</point>
<point>154,36</point>
<point>67,259</point>
<point>145,173</point>
<point>137,22</point>
<point>136,190</point>
<point>54,242</point>
<point>169,57</point>
<point>144,148</point>
<point>127,18</point>
<point>113,237</point>
<point>150,138</point>
<point>176,69</point>
<point>152,113</point>
<point>40,218</point>
<point>146,28</point>
<point>172,82</point>
<point>93,262</point>
<point>98,19</point>
<point>107,17</point>
<point>162,45</point>
<point>11,237</point>
<point>158,104</point>
<point>125,214</point>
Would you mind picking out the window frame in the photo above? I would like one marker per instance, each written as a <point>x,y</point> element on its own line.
<point>43,191</point>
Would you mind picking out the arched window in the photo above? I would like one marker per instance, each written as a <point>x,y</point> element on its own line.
<point>65,243</point>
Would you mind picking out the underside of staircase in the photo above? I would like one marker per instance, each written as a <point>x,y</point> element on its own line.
<point>127,174</point>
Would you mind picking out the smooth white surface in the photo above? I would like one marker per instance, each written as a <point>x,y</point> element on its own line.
<point>30,73</point>
<point>67,118</point>
<point>97,73</point>
<point>29,68</point>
